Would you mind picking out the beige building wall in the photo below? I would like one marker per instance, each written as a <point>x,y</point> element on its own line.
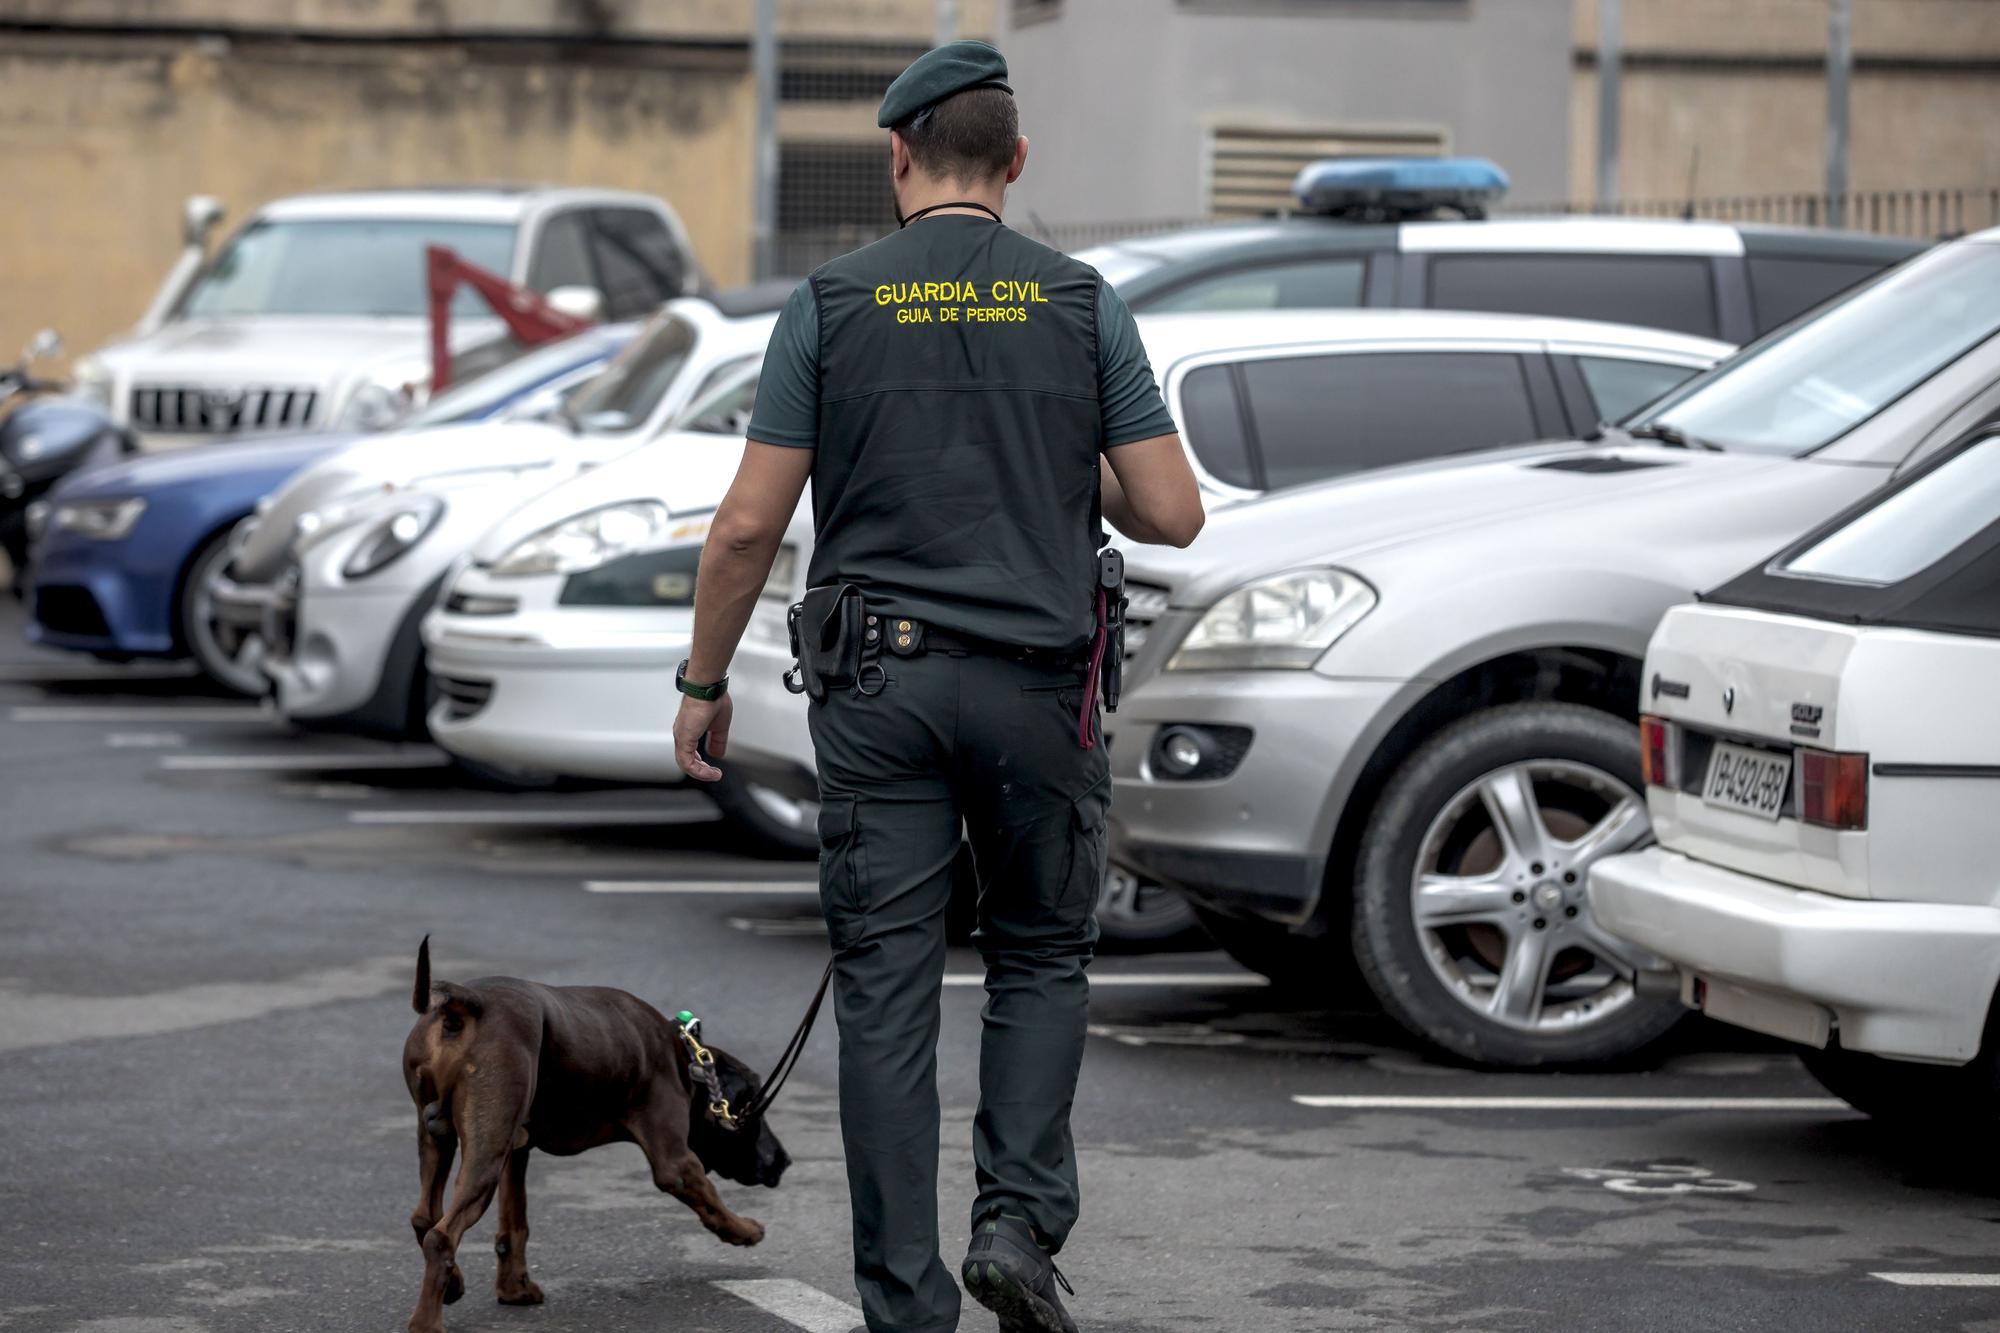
<point>113,111</point>
<point>1731,94</point>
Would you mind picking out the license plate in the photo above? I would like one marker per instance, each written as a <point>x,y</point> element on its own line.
<point>1746,780</point>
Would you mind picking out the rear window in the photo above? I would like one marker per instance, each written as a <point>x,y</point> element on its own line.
<point>1212,425</point>
<point>1658,291</point>
<point>1784,286</point>
<point>1914,528</point>
<point>1620,386</point>
<point>1321,416</point>
<point>1321,284</point>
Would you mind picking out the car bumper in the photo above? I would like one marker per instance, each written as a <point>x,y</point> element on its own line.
<point>327,655</point>
<point>596,705</point>
<point>1252,842</point>
<point>769,740</point>
<point>105,597</point>
<point>1902,979</point>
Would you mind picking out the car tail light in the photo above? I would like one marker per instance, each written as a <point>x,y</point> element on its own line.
<point>1656,751</point>
<point>1833,789</point>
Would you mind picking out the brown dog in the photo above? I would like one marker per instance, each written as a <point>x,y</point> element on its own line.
<point>500,1066</point>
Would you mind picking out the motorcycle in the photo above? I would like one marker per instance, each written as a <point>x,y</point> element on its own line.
<point>43,438</point>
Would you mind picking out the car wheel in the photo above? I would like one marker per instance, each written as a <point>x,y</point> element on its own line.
<point>1470,919</point>
<point>776,824</point>
<point>1901,1092</point>
<point>226,657</point>
<point>1131,910</point>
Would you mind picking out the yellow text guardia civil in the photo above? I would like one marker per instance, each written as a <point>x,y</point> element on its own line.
<point>1003,289</point>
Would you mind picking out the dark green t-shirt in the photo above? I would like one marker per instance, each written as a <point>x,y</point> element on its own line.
<point>787,410</point>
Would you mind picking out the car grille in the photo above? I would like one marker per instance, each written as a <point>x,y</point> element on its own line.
<point>1144,604</point>
<point>215,410</point>
<point>66,609</point>
<point>464,698</point>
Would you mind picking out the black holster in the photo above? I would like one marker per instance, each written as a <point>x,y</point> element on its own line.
<point>1111,584</point>
<point>829,640</point>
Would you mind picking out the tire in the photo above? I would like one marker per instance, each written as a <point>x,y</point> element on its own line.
<point>1135,913</point>
<point>1959,1099</point>
<point>1508,970</point>
<point>775,825</point>
<point>199,632</point>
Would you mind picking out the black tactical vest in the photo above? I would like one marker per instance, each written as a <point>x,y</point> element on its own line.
<point>959,432</point>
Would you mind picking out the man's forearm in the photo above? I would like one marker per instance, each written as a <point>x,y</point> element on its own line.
<point>732,575</point>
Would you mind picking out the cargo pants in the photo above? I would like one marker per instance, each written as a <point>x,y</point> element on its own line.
<point>985,747</point>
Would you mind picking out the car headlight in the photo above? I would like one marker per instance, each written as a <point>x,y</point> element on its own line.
<point>586,541</point>
<point>1287,621</point>
<point>99,520</point>
<point>373,406</point>
<point>661,577</point>
<point>91,381</point>
<point>393,537</point>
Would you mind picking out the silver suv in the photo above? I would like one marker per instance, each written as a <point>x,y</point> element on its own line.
<point>1394,715</point>
<point>314,316</point>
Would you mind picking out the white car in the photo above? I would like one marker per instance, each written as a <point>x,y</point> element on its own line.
<point>1264,400</point>
<point>554,645</point>
<point>314,316</point>
<point>1822,745</point>
<point>355,574</point>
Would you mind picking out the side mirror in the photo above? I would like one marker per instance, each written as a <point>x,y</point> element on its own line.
<point>585,303</point>
<point>198,218</point>
<point>46,343</point>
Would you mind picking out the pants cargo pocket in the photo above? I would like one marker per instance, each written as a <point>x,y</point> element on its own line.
<point>843,871</point>
<point>1088,845</point>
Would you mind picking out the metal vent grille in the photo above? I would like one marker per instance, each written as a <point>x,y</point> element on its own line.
<point>1251,168</point>
<point>1144,604</point>
<point>214,410</point>
<point>464,698</point>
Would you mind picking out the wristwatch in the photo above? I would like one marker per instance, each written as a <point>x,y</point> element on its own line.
<point>706,693</point>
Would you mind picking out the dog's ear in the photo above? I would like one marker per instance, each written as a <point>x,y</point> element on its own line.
<point>421,1001</point>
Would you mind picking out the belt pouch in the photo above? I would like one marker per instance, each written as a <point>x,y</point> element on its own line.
<point>832,622</point>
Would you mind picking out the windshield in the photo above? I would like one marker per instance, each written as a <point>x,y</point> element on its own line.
<point>350,266</point>
<point>1807,387</point>
<point>502,385</point>
<point>725,412</point>
<point>624,396</point>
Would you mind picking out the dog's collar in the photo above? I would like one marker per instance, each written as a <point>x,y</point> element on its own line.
<point>701,1064</point>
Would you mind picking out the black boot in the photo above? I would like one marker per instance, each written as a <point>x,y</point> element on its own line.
<point>1009,1274</point>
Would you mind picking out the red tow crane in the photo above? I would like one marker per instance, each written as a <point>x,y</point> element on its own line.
<point>530,318</point>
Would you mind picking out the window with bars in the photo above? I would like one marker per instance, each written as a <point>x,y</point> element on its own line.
<point>1251,168</point>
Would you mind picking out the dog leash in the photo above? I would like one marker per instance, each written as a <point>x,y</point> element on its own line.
<point>789,1061</point>
<point>701,1061</point>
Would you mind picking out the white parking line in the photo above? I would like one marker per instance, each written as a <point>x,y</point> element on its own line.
<point>797,1304</point>
<point>1393,1103</point>
<point>144,740</point>
<point>56,673</point>
<point>1941,1279</point>
<point>1138,979</point>
<point>582,815</point>
<point>701,887</point>
<point>119,713</point>
<point>309,762</point>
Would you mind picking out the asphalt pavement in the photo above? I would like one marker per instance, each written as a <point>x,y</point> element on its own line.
<point>207,935</point>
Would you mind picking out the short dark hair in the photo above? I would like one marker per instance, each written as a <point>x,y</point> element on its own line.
<point>967,137</point>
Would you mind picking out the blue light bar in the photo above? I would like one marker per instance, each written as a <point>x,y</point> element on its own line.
<point>1400,186</point>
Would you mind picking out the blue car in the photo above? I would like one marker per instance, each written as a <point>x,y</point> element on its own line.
<point>121,566</point>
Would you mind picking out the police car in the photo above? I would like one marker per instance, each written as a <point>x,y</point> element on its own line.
<point>1415,234</point>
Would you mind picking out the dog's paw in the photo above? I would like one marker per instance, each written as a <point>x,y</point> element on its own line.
<point>750,1233</point>
<point>524,1292</point>
<point>454,1284</point>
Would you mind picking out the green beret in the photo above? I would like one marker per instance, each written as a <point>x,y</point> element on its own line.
<point>939,73</point>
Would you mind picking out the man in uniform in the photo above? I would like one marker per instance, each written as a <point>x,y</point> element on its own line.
<point>966,404</point>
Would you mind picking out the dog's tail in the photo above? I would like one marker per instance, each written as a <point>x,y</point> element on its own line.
<point>421,1001</point>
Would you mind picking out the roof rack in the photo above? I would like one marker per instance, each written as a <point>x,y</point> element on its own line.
<point>1397,189</point>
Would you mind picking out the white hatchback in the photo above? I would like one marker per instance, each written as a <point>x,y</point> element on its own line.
<point>1822,757</point>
